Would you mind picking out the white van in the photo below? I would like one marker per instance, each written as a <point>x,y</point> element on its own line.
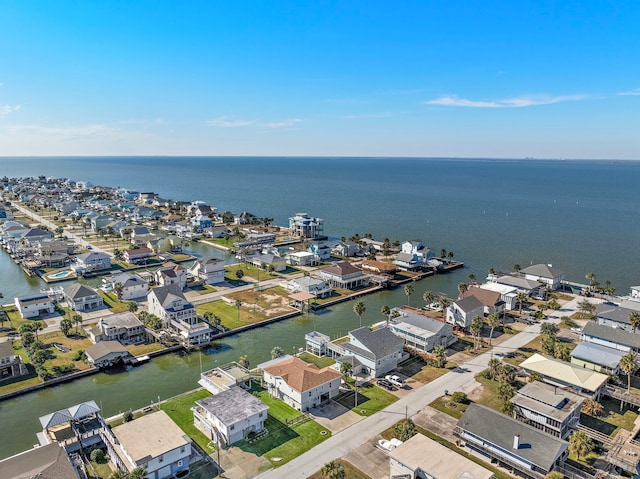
<point>395,380</point>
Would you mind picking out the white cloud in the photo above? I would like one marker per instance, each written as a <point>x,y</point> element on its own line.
<point>6,109</point>
<point>67,133</point>
<point>453,100</point>
<point>284,123</point>
<point>635,92</point>
<point>367,116</point>
<point>1,83</point>
<point>226,122</point>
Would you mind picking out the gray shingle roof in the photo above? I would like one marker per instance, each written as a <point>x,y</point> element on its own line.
<point>469,304</point>
<point>535,446</point>
<point>77,290</point>
<point>613,313</point>
<point>618,336</point>
<point>380,342</point>
<point>168,294</point>
<point>543,271</point>
<point>232,405</point>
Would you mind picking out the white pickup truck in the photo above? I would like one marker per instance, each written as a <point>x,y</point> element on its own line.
<point>395,380</point>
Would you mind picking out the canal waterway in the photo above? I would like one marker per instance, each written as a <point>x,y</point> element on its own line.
<point>171,374</point>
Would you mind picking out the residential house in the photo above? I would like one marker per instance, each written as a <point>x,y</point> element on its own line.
<point>546,274</point>
<point>130,286</point>
<point>152,442</point>
<point>347,249</point>
<point>123,327</point>
<point>378,351</point>
<point>105,354</point>
<point>270,262</point>
<point>209,270</point>
<point>461,313</point>
<point>138,255</point>
<point>47,462</point>
<point>216,232</point>
<point>635,293</point>
<point>551,409</point>
<point>171,274</point>
<point>413,254</point>
<point>225,377</point>
<point>99,223</point>
<point>199,223</point>
<point>34,306</point>
<point>583,381</point>
<point>320,251</point>
<point>491,300</point>
<point>498,438</point>
<point>597,357</point>
<point>11,366</point>
<point>378,267</point>
<point>140,236</point>
<point>343,274</point>
<point>310,285</point>
<point>421,332</point>
<point>229,416</point>
<point>421,457</point>
<point>92,261</point>
<point>80,297</point>
<point>305,226</point>
<point>33,235</point>
<point>614,316</point>
<point>299,384</point>
<point>169,304</point>
<point>302,258</point>
<point>613,338</point>
<point>508,294</point>
<point>530,287</point>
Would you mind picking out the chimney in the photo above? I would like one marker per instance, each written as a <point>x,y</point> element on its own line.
<point>516,441</point>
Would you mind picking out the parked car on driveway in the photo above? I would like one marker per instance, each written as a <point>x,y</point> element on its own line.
<point>383,383</point>
<point>395,380</point>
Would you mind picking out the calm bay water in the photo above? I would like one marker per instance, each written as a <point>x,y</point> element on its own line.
<point>580,216</point>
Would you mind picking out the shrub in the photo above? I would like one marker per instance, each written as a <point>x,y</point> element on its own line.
<point>127,416</point>
<point>97,455</point>
<point>459,397</point>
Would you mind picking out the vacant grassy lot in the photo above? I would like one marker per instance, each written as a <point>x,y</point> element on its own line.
<point>612,417</point>
<point>112,302</point>
<point>249,270</point>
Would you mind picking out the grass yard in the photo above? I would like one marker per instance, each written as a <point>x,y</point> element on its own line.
<point>111,301</point>
<point>371,399</point>
<point>320,362</point>
<point>72,342</point>
<point>350,471</point>
<point>283,442</point>
<point>612,418</point>
<point>142,349</point>
<point>179,410</point>
<point>248,270</point>
<point>430,373</point>
<point>102,471</point>
<point>450,408</point>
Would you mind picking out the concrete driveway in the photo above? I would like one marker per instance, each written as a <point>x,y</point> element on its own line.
<point>370,459</point>
<point>335,417</point>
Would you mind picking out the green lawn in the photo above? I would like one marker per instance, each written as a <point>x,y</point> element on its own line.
<point>248,270</point>
<point>228,313</point>
<point>612,418</point>
<point>102,471</point>
<point>320,362</point>
<point>455,410</point>
<point>179,410</point>
<point>283,442</point>
<point>351,471</point>
<point>371,399</point>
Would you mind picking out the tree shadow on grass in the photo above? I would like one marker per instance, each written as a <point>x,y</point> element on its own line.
<point>278,434</point>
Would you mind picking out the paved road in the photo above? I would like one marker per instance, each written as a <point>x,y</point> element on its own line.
<point>460,379</point>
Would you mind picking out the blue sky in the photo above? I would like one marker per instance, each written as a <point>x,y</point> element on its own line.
<point>545,79</point>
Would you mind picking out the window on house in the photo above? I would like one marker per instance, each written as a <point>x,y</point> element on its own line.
<point>231,428</point>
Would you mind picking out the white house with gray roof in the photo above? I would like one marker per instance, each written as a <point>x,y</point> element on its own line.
<point>133,286</point>
<point>169,304</point>
<point>34,306</point>
<point>461,313</point>
<point>421,332</point>
<point>614,338</point>
<point>81,297</point>
<point>614,316</point>
<point>92,261</point>
<point>209,270</point>
<point>528,286</point>
<point>545,273</point>
<point>310,285</point>
<point>378,351</point>
<point>553,410</point>
<point>494,436</point>
<point>234,414</point>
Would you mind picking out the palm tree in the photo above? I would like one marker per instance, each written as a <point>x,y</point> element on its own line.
<point>405,429</point>
<point>77,318</point>
<point>443,253</point>
<point>137,473</point>
<point>385,311</point>
<point>494,367</point>
<point>549,330</point>
<point>244,361</point>
<point>37,326</point>
<point>428,298</point>
<point>462,287</point>
<point>408,290</point>
<point>580,444</point>
<point>277,352</point>
<point>592,279</point>
<point>440,353</point>
<point>592,408</point>
<point>471,277</point>
<point>359,308</point>
<point>238,304</point>
<point>65,326</point>
<point>586,307</point>
<point>521,298</point>
<point>118,288</point>
<point>333,470</point>
<point>628,365</point>
<point>476,329</point>
<point>444,302</point>
<point>634,319</point>
<point>118,474</point>
<point>517,267</point>
<point>493,321</point>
